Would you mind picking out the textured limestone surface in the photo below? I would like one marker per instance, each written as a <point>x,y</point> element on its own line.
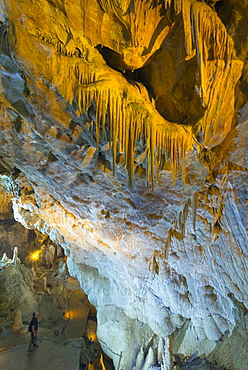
<point>123,137</point>
<point>12,233</point>
<point>17,290</point>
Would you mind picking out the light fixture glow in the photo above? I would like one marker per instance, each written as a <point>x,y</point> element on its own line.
<point>35,255</point>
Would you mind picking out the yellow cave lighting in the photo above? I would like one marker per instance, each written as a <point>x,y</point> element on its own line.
<point>34,256</point>
<point>92,336</point>
<point>68,314</point>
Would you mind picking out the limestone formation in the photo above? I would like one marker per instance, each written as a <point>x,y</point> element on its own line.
<point>17,322</point>
<point>12,233</point>
<point>15,258</point>
<point>5,261</point>
<point>17,294</point>
<point>124,139</point>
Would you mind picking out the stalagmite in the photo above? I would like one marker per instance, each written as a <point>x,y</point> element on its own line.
<point>5,259</point>
<point>15,259</point>
<point>17,322</point>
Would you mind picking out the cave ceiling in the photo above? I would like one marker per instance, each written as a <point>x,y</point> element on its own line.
<point>124,131</point>
<point>142,74</point>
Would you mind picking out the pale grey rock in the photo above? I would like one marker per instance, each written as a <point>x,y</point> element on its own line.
<point>150,359</point>
<point>15,259</point>
<point>190,284</point>
<point>140,359</point>
<point>16,291</point>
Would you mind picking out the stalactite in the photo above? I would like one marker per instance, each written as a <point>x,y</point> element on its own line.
<point>160,350</point>
<point>110,110</point>
<point>181,218</point>
<point>208,27</point>
<point>114,134</point>
<point>168,243</point>
<point>130,150</point>
<point>167,360</point>
<point>150,359</point>
<point>183,156</point>
<point>158,154</point>
<point>140,358</point>
<point>178,6</point>
<point>173,158</point>
<point>205,35</point>
<point>103,112</point>
<point>167,3</point>
<point>148,171</point>
<point>194,206</point>
<point>98,118</point>
<point>152,148</point>
<point>123,119</point>
<point>186,14</point>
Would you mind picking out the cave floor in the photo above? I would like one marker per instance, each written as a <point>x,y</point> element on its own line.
<point>63,322</point>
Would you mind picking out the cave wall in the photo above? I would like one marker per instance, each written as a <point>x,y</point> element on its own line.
<point>17,291</point>
<point>12,233</point>
<point>124,139</point>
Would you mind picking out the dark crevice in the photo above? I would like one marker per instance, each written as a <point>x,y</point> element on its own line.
<point>166,96</point>
<point>52,157</point>
<point>218,5</point>
<point>57,5</point>
<point>18,124</point>
<point>115,61</point>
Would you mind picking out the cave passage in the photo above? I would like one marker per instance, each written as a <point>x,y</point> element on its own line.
<point>66,317</point>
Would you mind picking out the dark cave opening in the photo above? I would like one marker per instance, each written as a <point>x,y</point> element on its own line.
<point>166,97</point>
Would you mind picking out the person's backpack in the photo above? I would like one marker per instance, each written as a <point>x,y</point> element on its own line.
<point>30,327</point>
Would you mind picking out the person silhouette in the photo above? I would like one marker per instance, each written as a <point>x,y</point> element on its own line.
<point>33,329</point>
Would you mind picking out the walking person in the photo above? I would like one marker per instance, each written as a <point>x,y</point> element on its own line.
<point>33,328</point>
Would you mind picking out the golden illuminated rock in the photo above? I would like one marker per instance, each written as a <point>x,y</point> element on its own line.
<point>66,55</point>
